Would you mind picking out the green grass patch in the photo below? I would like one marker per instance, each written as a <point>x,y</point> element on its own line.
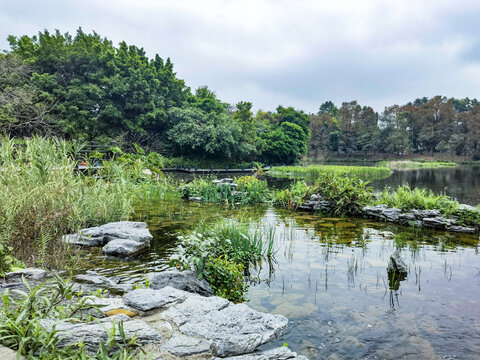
<point>314,172</point>
<point>416,164</point>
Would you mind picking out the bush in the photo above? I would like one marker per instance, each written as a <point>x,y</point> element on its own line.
<point>226,278</point>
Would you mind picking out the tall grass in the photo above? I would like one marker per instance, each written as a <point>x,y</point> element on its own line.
<point>314,172</point>
<point>41,198</point>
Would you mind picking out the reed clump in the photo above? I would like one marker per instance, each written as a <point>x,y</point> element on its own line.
<point>42,198</point>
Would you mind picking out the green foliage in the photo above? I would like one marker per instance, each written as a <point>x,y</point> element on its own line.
<point>226,278</point>
<point>416,164</point>
<point>349,194</point>
<point>41,198</point>
<point>248,192</point>
<point>20,327</point>
<point>294,196</point>
<point>314,172</point>
<point>407,199</point>
<point>220,252</point>
<point>286,144</point>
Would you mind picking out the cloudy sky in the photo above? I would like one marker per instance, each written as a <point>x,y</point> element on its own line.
<point>294,53</point>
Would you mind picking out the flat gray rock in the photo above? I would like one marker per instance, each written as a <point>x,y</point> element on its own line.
<point>383,212</point>
<point>181,345</point>
<point>438,222</point>
<point>91,334</point>
<point>28,274</point>
<point>280,353</point>
<point>148,299</point>
<point>232,329</point>
<point>105,304</point>
<point>421,214</point>
<point>182,280</point>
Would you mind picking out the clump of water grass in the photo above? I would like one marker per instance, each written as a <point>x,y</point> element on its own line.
<point>314,172</point>
<point>219,252</point>
<point>42,198</point>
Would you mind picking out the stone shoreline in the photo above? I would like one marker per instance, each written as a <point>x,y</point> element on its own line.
<point>171,323</point>
<point>432,219</point>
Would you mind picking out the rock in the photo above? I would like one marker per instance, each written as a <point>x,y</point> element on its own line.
<point>406,218</point>
<point>387,234</point>
<point>195,198</point>
<point>396,264</point>
<point>181,345</point>
<point>148,299</point>
<point>465,207</point>
<point>232,329</point>
<point>182,280</point>
<point>9,354</point>
<point>122,238</point>
<point>463,229</point>
<point>280,353</point>
<point>383,212</point>
<point>438,222</point>
<point>29,274</point>
<point>194,306</point>
<point>124,247</point>
<point>308,349</point>
<point>108,305</point>
<point>315,197</point>
<point>421,214</point>
<point>91,334</point>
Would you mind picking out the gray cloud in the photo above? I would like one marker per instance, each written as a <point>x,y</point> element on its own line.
<point>298,53</point>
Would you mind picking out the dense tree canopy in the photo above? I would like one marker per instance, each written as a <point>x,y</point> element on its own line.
<point>83,87</point>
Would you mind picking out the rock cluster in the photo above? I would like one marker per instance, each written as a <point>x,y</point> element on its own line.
<point>123,238</point>
<point>425,218</point>
<point>170,323</point>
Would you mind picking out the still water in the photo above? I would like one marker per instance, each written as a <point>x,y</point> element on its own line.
<point>329,278</point>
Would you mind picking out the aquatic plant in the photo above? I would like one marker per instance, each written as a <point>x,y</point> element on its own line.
<point>228,246</point>
<point>314,172</point>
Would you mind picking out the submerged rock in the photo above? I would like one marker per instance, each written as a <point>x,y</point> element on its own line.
<point>463,229</point>
<point>182,280</point>
<point>123,238</point>
<point>280,353</point>
<point>396,264</point>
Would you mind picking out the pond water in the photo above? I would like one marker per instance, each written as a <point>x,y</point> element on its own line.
<point>330,280</point>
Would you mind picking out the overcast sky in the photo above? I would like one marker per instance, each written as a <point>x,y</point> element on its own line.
<point>294,53</point>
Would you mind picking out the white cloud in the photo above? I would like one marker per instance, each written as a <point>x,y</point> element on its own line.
<point>298,53</point>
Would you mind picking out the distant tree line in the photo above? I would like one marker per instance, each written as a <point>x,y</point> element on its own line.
<point>84,88</point>
<point>426,125</point>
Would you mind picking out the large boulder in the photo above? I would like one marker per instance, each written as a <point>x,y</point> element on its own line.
<point>181,345</point>
<point>232,329</point>
<point>123,238</point>
<point>182,280</point>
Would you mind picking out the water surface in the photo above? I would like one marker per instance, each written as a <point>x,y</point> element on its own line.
<point>330,280</point>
